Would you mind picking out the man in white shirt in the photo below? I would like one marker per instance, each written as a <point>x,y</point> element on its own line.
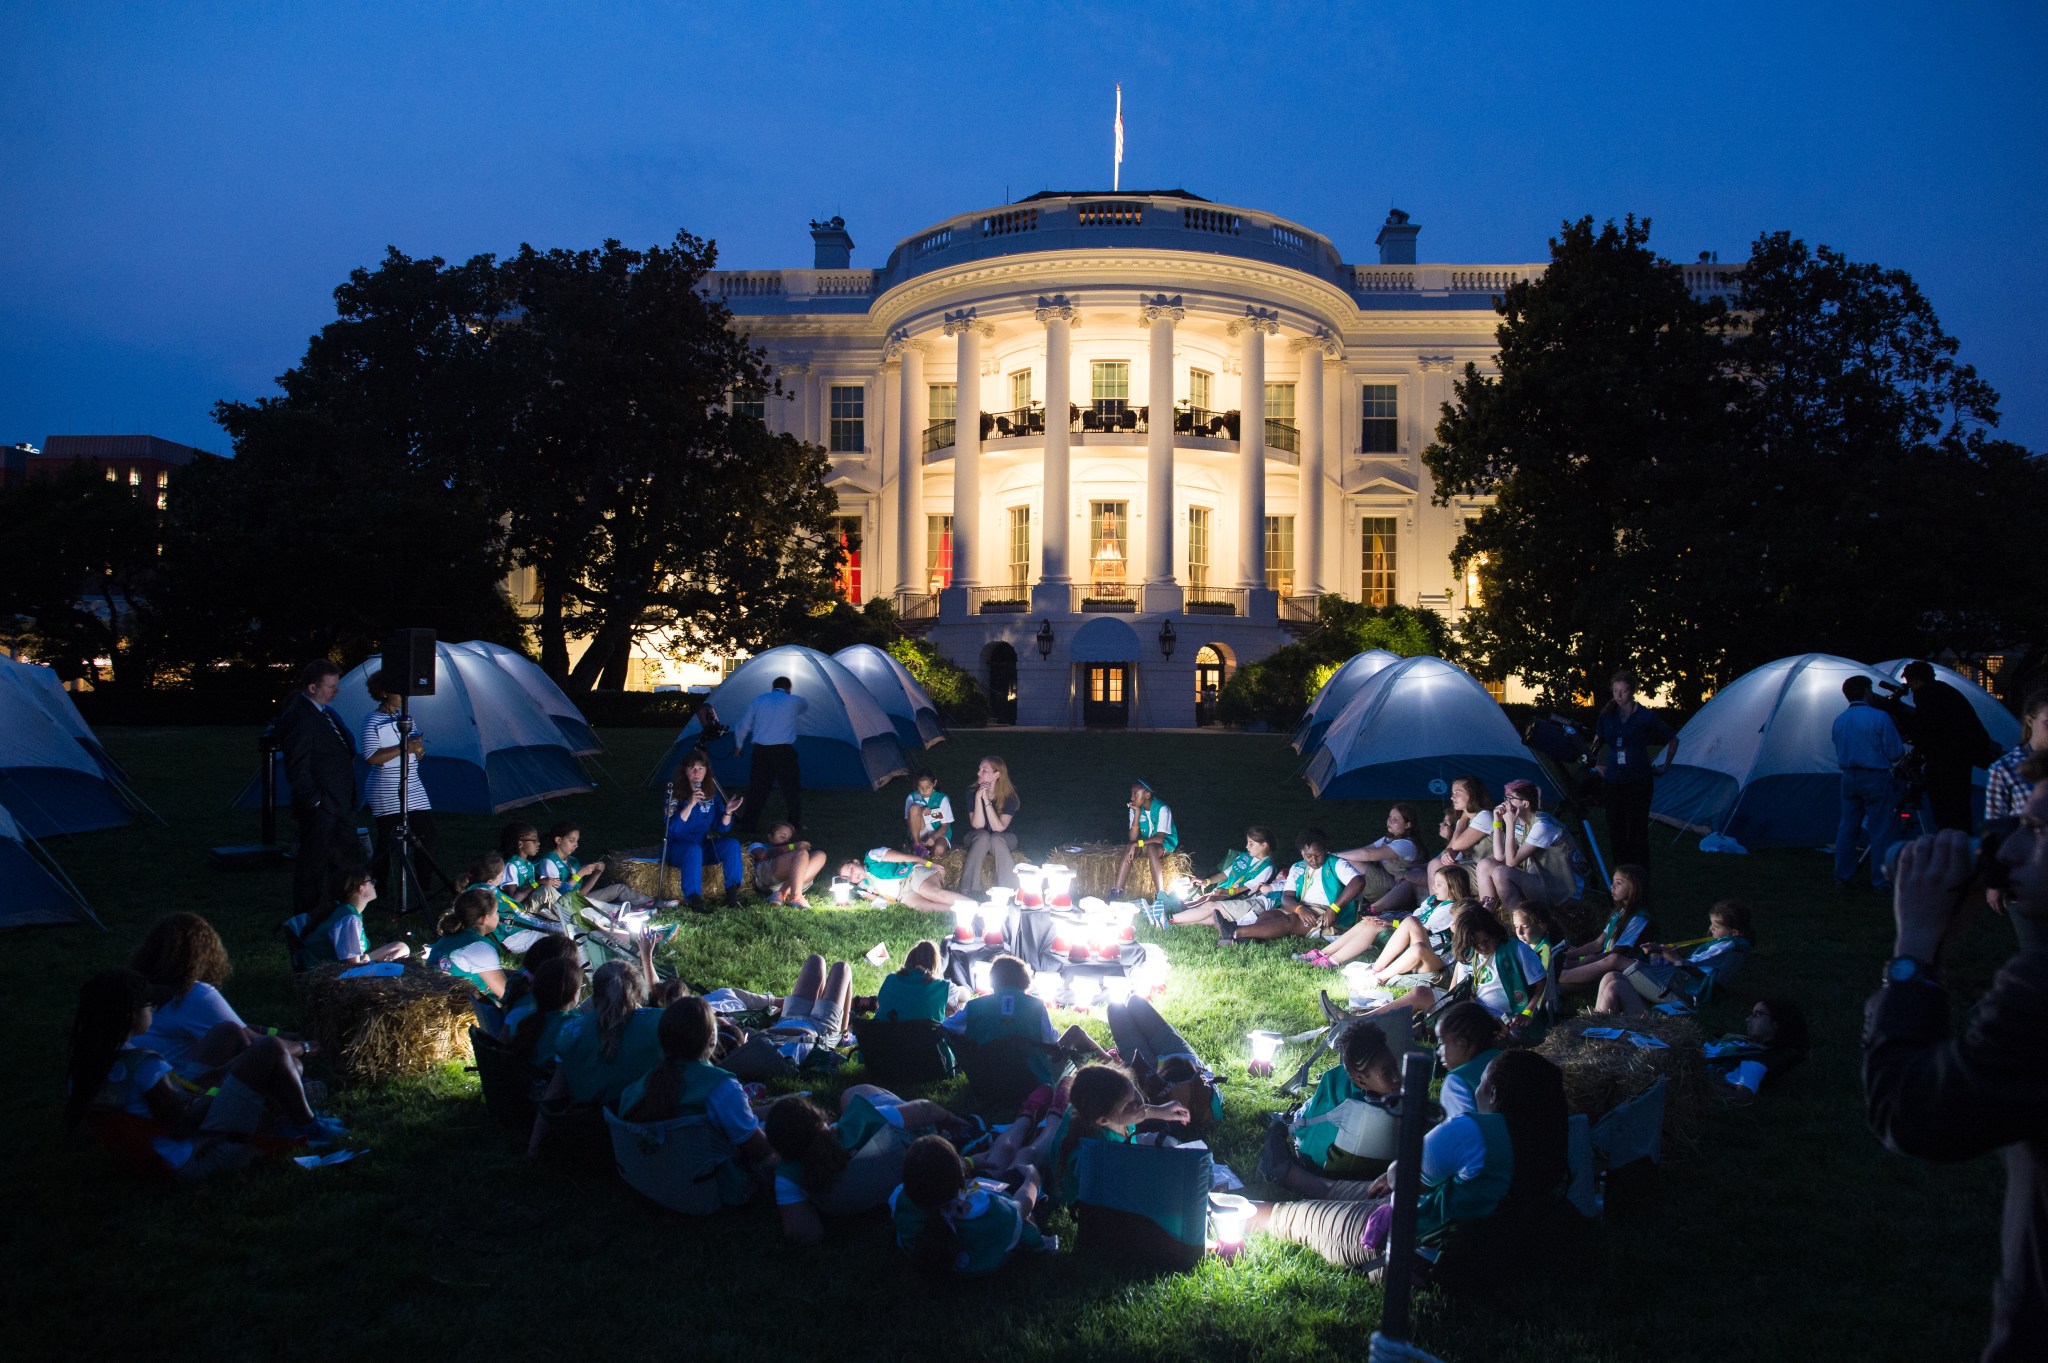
<point>380,747</point>
<point>770,724</point>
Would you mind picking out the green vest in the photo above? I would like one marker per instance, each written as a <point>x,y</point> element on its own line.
<point>1066,1163</point>
<point>905,997</point>
<point>1012,1012</point>
<point>1471,1072</point>
<point>317,943</point>
<point>1335,1090</point>
<point>1148,824</point>
<point>932,822</point>
<point>444,947</point>
<point>521,869</point>
<point>987,1225</point>
<point>887,877</point>
<point>1445,1204</point>
<point>1240,871</point>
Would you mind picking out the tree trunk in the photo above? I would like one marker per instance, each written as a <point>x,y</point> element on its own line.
<point>617,666</point>
<point>554,640</point>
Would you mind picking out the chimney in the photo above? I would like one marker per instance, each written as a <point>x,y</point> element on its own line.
<point>834,248</point>
<point>1397,239</point>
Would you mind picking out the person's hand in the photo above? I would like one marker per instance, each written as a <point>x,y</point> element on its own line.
<point>732,806</point>
<point>1171,1112</point>
<point>1996,900</point>
<point>1928,885</point>
<point>1383,1186</point>
<point>591,871</point>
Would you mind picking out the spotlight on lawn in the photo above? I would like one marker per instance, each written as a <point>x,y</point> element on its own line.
<point>1265,1047</point>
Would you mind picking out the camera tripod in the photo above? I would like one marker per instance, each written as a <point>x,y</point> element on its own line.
<point>405,844</point>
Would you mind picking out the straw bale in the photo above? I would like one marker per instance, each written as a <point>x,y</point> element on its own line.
<point>377,1028</point>
<point>636,867</point>
<point>1599,1074</point>
<point>1096,864</point>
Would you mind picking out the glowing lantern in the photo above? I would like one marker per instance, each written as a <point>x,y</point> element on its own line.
<point>1230,1219</point>
<point>1045,988</point>
<point>979,971</point>
<point>1116,989</point>
<point>1059,887</point>
<point>1265,1046</point>
<point>1030,887</point>
<point>842,890</point>
<point>964,914</point>
<point>1083,988</point>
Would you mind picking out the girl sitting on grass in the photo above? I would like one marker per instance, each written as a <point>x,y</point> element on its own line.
<point>917,992</point>
<point>1507,977</point>
<point>1535,929</point>
<point>1319,892</point>
<point>815,1150</point>
<point>192,1132</point>
<point>1467,831</point>
<point>1301,1154</point>
<point>1236,894</point>
<point>467,947</point>
<point>1010,1009</point>
<point>562,872</point>
<point>1627,925</point>
<point>1468,1038</point>
<point>785,865</point>
<point>1151,827</point>
<point>1386,860</point>
<point>193,1026</point>
<point>518,999</point>
<point>948,1224</point>
<point>519,845</point>
<point>684,1083</point>
<point>1414,945</point>
<point>340,936</point>
<point>534,1034</point>
<point>1687,976</point>
<point>518,927</point>
<point>603,1049</point>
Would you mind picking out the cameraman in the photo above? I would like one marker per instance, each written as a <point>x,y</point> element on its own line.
<point>1938,1097</point>
<point>1950,740</point>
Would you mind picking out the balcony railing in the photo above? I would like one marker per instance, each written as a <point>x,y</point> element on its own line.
<point>939,435</point>
<point>1093,597</point>
<point>1011,424</point>
<point>1281,434</point>
<point>1217,601</point>
<point>1114,414</point>
<point>1300,609</point>
<point>917,606</point>
<point>1011,599</point>
<point>1204,422</point>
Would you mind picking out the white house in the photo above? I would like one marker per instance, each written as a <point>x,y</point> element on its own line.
<point>1107,447</point>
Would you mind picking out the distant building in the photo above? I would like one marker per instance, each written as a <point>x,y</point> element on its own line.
<point>145,463</point>
<point>14,462</point>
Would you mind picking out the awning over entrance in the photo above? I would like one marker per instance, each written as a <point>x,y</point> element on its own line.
<point>1105,640</point>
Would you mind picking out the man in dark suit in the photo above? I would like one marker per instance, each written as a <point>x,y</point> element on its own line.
<point>1938,1096</point>
<point>1950,740</point>
<point>320,765</point>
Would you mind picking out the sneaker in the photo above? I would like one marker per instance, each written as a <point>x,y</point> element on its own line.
<point>319,1129</point>
<point>1330,1008</point>
<point>661,932</point>
<point>667,904</point>
<point>696,903</point>
<point>1276,1156</point>
<point>1048,1244</point>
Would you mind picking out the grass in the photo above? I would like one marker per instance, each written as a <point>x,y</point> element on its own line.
<point>1786,1232</point>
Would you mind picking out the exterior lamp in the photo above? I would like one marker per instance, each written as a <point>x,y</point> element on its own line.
<point>1265,1046</point>
<point>1045,638</point>
<point>1167,638</point>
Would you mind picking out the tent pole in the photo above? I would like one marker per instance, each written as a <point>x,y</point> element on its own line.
<point>56,868</point>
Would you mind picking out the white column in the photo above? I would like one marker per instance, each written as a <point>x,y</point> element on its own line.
<point>967,334</point>
<point>1162,589</point>
<point>911,399</point>
<point>1251,331</point>
<point>1053,592</point>
<point>1308,520</point>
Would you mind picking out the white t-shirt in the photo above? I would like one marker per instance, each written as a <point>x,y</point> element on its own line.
<point>1453,1148</point>
<point>1491,994</point>
<point>1545,832</point>
<point>380,731</point>
<point>1307,886</point>
<point>476,957</point>
<point>1483,821</point>
<point>789,1188</point>
<point>1403,848</point>
<point>183,1022</point>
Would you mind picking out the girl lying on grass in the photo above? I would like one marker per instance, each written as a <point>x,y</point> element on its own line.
<point>815,1151</point>
<point>193,1132</point>
<point>785,865</point>
<point>887,877</point>
<point>949,1223</point>
<point>1103,1104</point>
<point>1773,1040</point>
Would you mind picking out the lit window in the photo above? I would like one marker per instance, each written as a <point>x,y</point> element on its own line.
<point>1280,554</point>
<point>1106,562</point>
<point>112,476</point>
<point>1198,546</point>
<point>848,581</point>
<point>938,553</point>
<point>1199,381</point>
<point>1020,390</point>
<point>1380,432</point>
<point>1020,548</point>
<point>163,480</point>
<point>945,400</point>
<point>162,500</point>
<point>1280,402</point>
<point>1109,386</point>
<point>750,403</point>
<point>135,477</point>
<point>1376,580</point>
<point>849,423</point>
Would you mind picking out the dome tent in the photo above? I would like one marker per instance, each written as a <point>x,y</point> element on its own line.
<point>489,747</point>
<point>897,692</point>
<point>541,689</point>
<point>1334,694</point>
<point>1999,722</point>
<point>34,893</point>
<point>53,774</point>
<point>1410,730</point>
<point>1757,763</point>
<point>844,740</point>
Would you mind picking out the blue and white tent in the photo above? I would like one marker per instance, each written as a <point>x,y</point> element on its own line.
<point>844,740</point>
<point>2002,724</point>
<point>909,709</point>
<point>1757,763</point>
<point>54,775</point>
<point>489,747</point>
<point>1335,693</point>
<point>541,689</point>
<point>34,893</point>
<point>1413,728</point>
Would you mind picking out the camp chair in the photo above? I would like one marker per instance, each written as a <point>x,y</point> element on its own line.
<point>685,1164</point>
<point>575,1134</point>
<point>900,1055</point>
<point>1579,1156</point>
<point>1633,1130</point>
<point>1400,1027</point>
<point>1143,1204</point>
<point>1004,1072</point>
<point>509,1084</point>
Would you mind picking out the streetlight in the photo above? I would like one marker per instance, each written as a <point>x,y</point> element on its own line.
<point>1167,638</point>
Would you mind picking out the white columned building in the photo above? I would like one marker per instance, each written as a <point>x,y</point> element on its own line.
<point>1105,448</point>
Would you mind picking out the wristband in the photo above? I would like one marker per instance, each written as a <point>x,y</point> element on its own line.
<point>270,1031</point>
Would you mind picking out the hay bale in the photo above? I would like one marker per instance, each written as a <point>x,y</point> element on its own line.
<point>636,868</point>
<point>1600,1074</point>
<point>375,1028</point>
<point>1096,864</point>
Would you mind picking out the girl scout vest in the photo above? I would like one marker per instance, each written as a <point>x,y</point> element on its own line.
<point>1240,871</point>
<point>1446,1204</point>
<point>1505,966</point>
<point>1468,1075</point>
<point>440,955</point>
<point>311,946</point>
<point>988,1226</point>
<point>911,998</point>
<point>1345,1131</point>
<point>1149,819</point>
<point>887,877</point>
<point>931,803</point>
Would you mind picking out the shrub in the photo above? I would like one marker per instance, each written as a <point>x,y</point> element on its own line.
<point>952,688</point>
<point>1278,688</point>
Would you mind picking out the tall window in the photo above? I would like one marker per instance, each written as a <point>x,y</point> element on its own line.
<point>1109,385</point>
<point>135,477</point>
<point>1198,546</point>
<point>848,582</point>
<point>1381,430</point>
<point>1020,549</point>
<point>938,553</point>
<point>945,401</point>
<point>750,402</point>
<point>1107,537</point>
<point>849,419</point>
<point>1199,381</point>
<point>1376,581</point>
<point>1020,389</point>
<point>1280,402</point>
<point>1280,554</point>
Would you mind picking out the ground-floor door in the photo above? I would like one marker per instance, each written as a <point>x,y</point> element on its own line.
<point>1106,695</point>
<point>1208,682</point>
<point>1002,684</point>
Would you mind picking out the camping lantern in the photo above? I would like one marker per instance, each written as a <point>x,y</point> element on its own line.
<point>979,972</point>
<point>1059,887</point>
<point>1127,920</point>
<point>1116,989</point>
<point>1059,940</point>
<point>1149,975</point>
<point>1265,1046</point>
<point>1030,886</point>
<point>842,890</point>
<point>1230,1220</point>
<point>1045,987</point>
<point>1081,943</point>
<point>964,914</point>
<point>1083,988</point>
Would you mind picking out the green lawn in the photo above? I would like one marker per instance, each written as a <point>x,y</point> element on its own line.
<point>1787,1233</point>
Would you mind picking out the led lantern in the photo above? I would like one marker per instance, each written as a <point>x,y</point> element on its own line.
<point>842,890</point>
<point>979,972</point>
<point>1230,1220</point>
<point>1045,987</point>
<point>1059,887</point>
<point>964,914</point>
<point>1116,989</point>
<point>1265,1046</point>
<point>1030,886</point>
<point>1084,989</point>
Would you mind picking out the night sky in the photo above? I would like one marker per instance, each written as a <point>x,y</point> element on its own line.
<point>184,185</point>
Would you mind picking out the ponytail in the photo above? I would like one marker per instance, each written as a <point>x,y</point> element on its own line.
<point>556,983</point>
<point>470,908</point>
<point>686,1031</point>
<point>802,1135</point>
<point>616,993</point>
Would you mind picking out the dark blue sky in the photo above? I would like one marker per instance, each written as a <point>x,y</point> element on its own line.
<point>185,184</point>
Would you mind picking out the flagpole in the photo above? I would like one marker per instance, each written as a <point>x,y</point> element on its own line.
<point>1116,171</point>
